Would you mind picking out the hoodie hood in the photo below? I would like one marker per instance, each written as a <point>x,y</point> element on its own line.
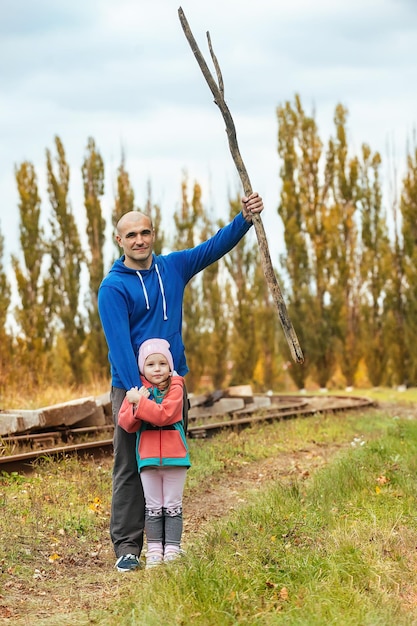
<point>120,268</point>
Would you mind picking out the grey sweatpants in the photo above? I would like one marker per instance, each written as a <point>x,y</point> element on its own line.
<point>128,504</point>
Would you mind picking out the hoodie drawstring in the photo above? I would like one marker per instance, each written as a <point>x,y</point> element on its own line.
<point>145,293</point>
<point>161,287</point>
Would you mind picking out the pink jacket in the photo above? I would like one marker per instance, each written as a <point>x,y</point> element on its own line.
<point>161,438</point>
<point>164,414</point>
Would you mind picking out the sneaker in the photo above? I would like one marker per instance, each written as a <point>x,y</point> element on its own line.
<point>153,561</point>
<point>127,563</point>
<point>173,556</point>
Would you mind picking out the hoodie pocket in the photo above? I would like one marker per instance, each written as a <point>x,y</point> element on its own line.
<point>150,444</point>
<point>161,444</point>
<point>172,445</point>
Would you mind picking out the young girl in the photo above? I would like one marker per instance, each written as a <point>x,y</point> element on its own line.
<point>154,411</point>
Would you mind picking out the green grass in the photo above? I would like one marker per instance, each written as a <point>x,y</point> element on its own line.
<point>232,450</point>
<point>335,548</point>
<point>380,394</point>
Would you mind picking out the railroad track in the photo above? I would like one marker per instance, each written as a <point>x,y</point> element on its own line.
<point>61,443</point>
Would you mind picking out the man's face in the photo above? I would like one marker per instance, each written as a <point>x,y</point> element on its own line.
<point>136,237</point>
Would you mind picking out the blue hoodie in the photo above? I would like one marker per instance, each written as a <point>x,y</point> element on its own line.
<point>138,305</point>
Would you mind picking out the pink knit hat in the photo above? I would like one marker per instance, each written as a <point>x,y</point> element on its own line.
<point>155,346</point>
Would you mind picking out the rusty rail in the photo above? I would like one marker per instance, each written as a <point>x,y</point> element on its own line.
<point>287,408</point>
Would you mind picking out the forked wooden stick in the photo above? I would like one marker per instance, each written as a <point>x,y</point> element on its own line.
<point>218,92</point>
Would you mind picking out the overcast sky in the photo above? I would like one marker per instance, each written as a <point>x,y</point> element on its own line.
<point>123,73</point>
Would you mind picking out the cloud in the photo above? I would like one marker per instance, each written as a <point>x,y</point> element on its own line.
<point>123,73</point>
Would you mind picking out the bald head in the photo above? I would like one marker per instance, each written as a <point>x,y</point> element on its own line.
<point>131,218</point>
<point>136,236</point>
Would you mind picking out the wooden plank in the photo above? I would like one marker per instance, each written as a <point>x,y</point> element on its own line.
<point>222,407</point>
<point>19,421</point>
<point>239,391</point>
<point>198,400</point>
<point>65,414</point>
<point>258,402</point>
<point>97,418</point>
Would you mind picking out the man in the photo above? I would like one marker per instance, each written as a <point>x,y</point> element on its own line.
<point>141,298</point>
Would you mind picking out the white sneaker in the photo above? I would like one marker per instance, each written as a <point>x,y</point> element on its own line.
<point>153,561</point>
<point>173,556</point>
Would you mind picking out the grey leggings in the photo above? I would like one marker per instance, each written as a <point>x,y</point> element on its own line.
<point>163,488</point>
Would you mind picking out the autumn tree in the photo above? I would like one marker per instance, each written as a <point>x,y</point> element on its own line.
<point>124,200</point>
<point>154,211</point>
<point>188,223</point>
<point>295,261</point>
<point>304,211</point>
<point>399,353</point>
<point>269,366</point>
<point>342,235</point>
<point>375,267</point>
<point>216,315</point>
<point>34,314</point>
<point>93,180</point>
<point>408,207</point>
<point>67,260</point>
<point>240,263</point>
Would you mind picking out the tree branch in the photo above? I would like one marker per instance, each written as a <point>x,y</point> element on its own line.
<point>218,92</point>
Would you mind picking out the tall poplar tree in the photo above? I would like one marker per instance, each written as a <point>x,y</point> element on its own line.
<point>125,198</point>
<point>375,267</point>
<point>216,316</point>
<point>268,369</point>
<point>34,314</point>
<point>67,260</point>
<point>93,180</point>
<point>408,207</point>
<point>295,261</point>
<point>342,173</point>
<point>240,263</point>
<point>304,212</point>
<point>188,230</point>
<point>396,307</point>
<point>154,211</point>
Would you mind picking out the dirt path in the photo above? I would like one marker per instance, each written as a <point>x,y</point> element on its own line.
<point>217,498</point>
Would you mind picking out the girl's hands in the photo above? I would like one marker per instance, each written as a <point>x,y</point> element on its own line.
<point>144,391</point>
<point>133,395</point>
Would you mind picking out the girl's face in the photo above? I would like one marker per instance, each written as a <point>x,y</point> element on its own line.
<point>156,369</point>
